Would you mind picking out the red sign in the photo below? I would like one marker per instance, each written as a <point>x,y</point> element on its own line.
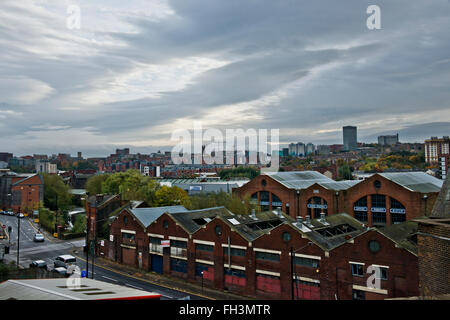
<point>165,243</point>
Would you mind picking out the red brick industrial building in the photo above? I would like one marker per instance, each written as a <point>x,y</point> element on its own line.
<point>20,191</point>
<point>251,255</point>
<point>383,199</point>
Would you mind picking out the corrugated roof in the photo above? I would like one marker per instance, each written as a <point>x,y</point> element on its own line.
<point>299,179</point>
<point>56,289</point>
<point>415,181</point>
<point>147,215</point>
<point>339,185</point>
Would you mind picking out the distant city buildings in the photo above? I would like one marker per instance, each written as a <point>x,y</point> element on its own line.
<point>435,147</point>
<point>45,166</point>
<point>389,140</point>
<point>350,138</point>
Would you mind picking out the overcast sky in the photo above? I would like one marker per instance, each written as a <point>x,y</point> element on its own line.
<point>136,70</point>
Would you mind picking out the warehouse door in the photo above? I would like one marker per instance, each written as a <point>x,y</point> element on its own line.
<point>157,263</point>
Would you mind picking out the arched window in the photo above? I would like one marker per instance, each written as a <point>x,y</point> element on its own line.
<point>378,209</point>
<point>276,201</point>
<point>254,198</point>
<point>317,205</point>
<point>264,200</point>
<point>398,212</point>
<point>360,210</point>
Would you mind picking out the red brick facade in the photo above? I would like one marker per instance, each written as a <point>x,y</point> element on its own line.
<point>262,268</point>
<point>295,202</point>
<point>27,193</point>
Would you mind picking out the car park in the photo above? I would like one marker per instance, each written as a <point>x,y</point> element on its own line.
<point>38,264</point>
<point>38,237</point>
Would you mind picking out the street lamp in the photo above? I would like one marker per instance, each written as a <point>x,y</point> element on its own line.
<point>18,237</point>
<point>202,282</point>
<point>292,269</point>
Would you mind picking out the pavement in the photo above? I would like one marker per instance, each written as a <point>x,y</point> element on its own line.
<point>169,282</point>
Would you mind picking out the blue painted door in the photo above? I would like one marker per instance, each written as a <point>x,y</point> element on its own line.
<point>157,263</point>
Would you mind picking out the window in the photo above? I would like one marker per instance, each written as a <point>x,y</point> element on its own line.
<point>204,247</point>
<point>218,230</point>
<point>357,270</point>
<point>398,212</point>
<point>374,246</point>
<point>235,272</point>
<point>128,236</point>
<point>234,252</point>
<point>125,220</point>
<point>178,244</point>
<point>377,184</point>
<point>378,201</point>
<point>165,224</point>
<point>286,236</point>
<point>267,256</point>
<point>360,209</point>
<point>358,295</point>
<point>317,205</point>
<point>306,262</point>
<point>381,273</point>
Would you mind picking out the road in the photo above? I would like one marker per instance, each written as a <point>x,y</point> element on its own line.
<point>51,248</point>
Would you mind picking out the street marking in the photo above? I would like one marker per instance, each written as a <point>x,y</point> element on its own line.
<point>130,285</point>
<point>110,278</point>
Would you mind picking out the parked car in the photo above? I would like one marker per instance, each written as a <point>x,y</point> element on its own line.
<point>38,264</point>
<point>64,261</point>
<point>60,270</point>
<point>20,215</point>
<point>38,237</point>
<point>10,213</point>
<point>2,212</point>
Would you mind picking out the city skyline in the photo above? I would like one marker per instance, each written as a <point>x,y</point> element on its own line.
<point>134,72</point>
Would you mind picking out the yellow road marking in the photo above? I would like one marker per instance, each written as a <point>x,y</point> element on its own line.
<point>145,280</point>
<point>39,231</point>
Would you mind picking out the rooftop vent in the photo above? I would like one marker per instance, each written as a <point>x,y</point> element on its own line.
<point>253,215</point>
<point>322,217</point>
<point>299,221</point>
<point>279,212</point>
<point>308,219</point>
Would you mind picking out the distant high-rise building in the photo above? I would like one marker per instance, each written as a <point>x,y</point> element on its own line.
<point>435,147</point>
<point>310,148</point>
<point>123,152</point>
<point>388,140</point>
<point>301,149</point>
<point>350,138</point>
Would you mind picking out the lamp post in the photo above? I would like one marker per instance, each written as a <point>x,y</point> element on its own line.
<point>292,252</point>
<point>202,282</point>
<point>18,237</point>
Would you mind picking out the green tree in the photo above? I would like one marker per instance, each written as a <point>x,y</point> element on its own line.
<point>94,184</point>
<point>57,194</point>
<point>170,196</point>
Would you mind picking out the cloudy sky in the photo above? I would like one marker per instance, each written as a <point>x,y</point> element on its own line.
<point>137,70</point>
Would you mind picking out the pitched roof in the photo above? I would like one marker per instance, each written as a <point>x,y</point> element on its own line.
<point>403,234</point>
<point>441,207</point>
<point>193,220</point>
<point>147,215</point>
<point>414,181</point>
<point>298,179</point>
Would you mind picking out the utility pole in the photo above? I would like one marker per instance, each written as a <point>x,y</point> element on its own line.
<point>18,237</point>
<point>292,273</point>
<point>93,248</point>
<point>88,226</point>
